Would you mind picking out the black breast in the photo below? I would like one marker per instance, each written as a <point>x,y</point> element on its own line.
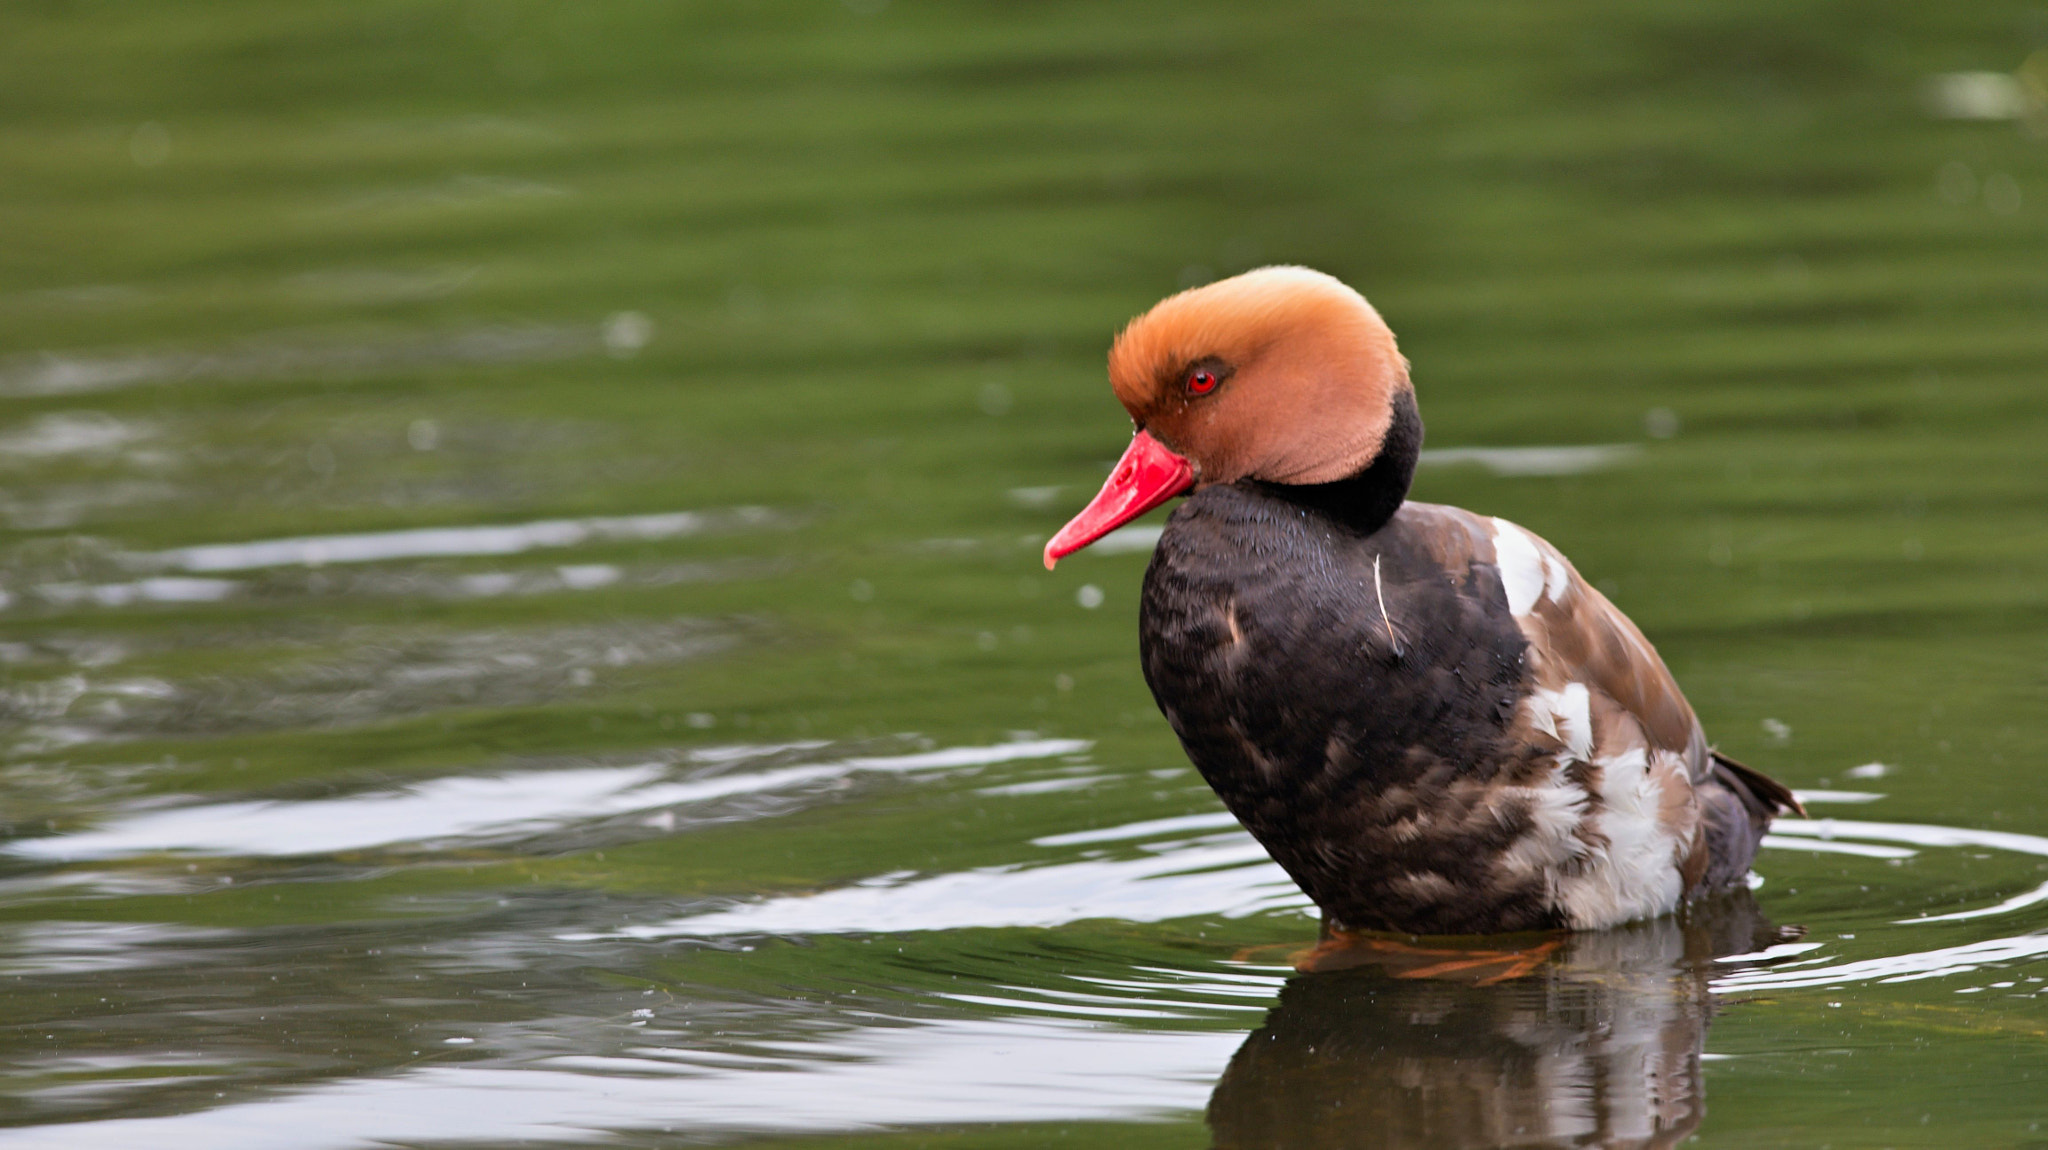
<point>1351,699</point>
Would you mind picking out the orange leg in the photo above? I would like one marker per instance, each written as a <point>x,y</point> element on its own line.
<point>1413,960</point>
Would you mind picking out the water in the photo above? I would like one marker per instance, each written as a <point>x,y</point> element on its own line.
<point>520,615</point>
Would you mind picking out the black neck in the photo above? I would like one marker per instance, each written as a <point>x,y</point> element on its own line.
<point>1365,501</point>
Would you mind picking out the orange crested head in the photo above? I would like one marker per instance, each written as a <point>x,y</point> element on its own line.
<point>1282,374</point>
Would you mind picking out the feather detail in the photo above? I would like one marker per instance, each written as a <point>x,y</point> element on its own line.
<point>1772,793</point>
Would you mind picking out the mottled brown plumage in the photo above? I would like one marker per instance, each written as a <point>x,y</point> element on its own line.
<point>1426,715</point>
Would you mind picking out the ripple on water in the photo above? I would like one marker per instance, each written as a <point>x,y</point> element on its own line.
<point>74,373</point>
<point>1901,961</point>
<point>1227,875</point>
<point>445,813</point>
<point>953,1071</point>
<point>299,566</point>
<point>1188,866</point>
<point>70,433</point>
<point>379,673</point>
<point>445,542</point>
<point>1515,462</point>
<point>952,1033</point>
<point>58,947</point>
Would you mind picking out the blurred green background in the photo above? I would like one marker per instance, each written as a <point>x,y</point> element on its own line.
<point>280,271</point>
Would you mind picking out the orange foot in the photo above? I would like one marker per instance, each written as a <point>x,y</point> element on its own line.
<point>1481,966</point>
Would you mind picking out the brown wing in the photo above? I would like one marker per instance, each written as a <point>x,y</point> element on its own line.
<point>1587,637</point>
<point>1577,637</point>
<point>1659,817</point>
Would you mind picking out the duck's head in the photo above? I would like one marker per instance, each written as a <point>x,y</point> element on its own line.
<point>1281,374</point>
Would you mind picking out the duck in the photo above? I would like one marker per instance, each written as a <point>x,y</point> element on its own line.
<point>1426,715</point>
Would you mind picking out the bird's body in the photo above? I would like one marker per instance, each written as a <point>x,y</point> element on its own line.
<point>1426,716</point>
<point>1435,725</point>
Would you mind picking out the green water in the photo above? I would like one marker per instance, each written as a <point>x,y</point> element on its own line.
<point>770,822</point>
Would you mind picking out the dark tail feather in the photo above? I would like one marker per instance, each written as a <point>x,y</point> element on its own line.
<point>1773,794</point>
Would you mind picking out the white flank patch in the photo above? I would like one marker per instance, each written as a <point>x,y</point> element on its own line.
<point>1557,578</point>
<point>1521,566</point>
<point>1555,809</point>
<point>1565,716</point>
<point>1639,877</point>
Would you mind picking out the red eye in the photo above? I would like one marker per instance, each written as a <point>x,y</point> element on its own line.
<point>1201,382</point>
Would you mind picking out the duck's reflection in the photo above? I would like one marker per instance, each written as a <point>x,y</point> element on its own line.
<point>1573,1040</point>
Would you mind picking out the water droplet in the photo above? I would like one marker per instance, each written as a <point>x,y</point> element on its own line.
<point>1956,184</point>
<point>627,332</point>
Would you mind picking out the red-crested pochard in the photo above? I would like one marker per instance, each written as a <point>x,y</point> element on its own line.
<point>1425,715</point>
